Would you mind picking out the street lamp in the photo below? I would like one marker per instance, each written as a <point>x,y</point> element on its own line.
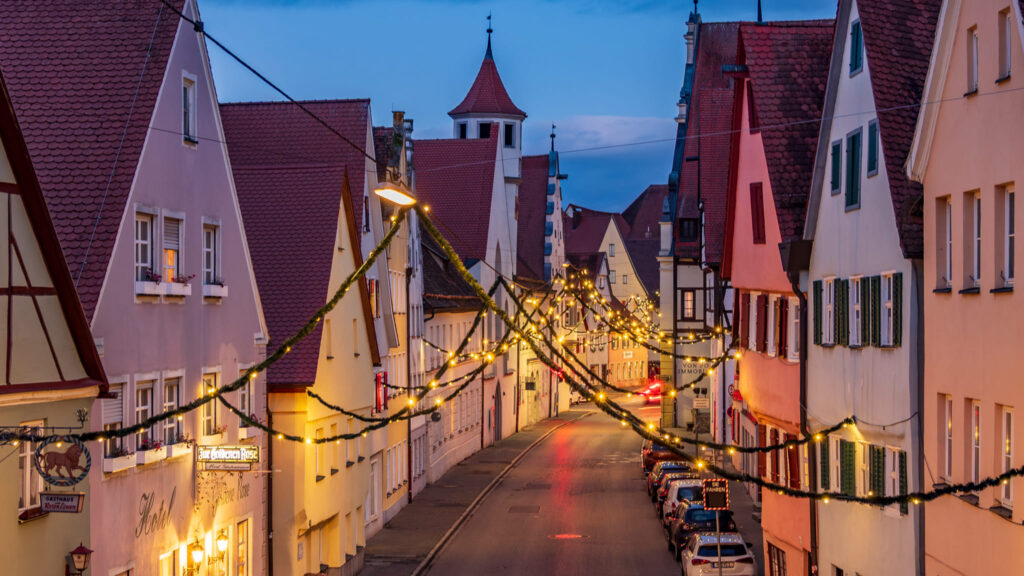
<point>80,559</point>
<point>396,193</point>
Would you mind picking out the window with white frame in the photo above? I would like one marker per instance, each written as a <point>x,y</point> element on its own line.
<point>948,434</point>
<point>793,334</point>
<point>143,411</point>
<point>320,455</point>
<point>828,322</point>
<point>1007,457</point>
<point>611,251</point>
<point>945,266</point>
<point>172,426</point>
<point>976,251</point>
<point>1009,236</point>
<point>31,483</point>
<point>211,274</point>
<point>888,313</point>
<point>689,304</point>
<point>975,441</point>
<point>611,275</point>
<point>855,312</point>
<point>770,324</point>
<point>332,452</point>
<point>863,468</point>
<point>172,249</point>
<point>892,476</point>
<point>1006,31</point>
<point>836,461</point>
<point>349,443</point>
<point>143,247</point>
<point>211,425</point>
<point>188,109</point>
<point>245,398</point>
<point>972,60</point>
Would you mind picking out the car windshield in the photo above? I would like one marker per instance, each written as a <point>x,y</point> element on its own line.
<point>728,551</point>
<point>691,493</point>
<point>695,515</point>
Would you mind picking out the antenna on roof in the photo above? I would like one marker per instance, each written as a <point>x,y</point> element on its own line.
<point>759,19</point>
<point>695,6</point>
<point>553,136</point>
<point>489,31</point>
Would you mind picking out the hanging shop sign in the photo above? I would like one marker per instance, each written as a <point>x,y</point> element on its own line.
<point>229,458</point>
<point>62,502</point>
<point>62,460</point>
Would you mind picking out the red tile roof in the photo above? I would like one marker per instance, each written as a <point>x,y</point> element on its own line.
<point>585,230</point>
<point>456,179</point>
<point>289,173</point>
<point>643,252</point>
<point>487,95</point>
<point>383,145</point>
<point>644,214</point>
<point>710,114</point>
<point>788,63</point>
<point>443,288</point>
<point>533,199</point>
<point>898,38</point>
<point>84,81</point>
<point>589,261</point>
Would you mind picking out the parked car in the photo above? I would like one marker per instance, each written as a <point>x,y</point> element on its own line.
<point>658,474</point>
<point>663,489</point>
<point>678,491</point>
<point>652,453</point>
<point>691,517</point>
<point>703,550</point>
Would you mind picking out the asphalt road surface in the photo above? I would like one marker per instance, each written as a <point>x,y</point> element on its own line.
<point>575,504</point>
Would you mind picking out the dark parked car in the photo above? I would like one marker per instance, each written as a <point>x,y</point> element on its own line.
<point>652,453</point>
<point>690,518</point>
<point>658,474</point>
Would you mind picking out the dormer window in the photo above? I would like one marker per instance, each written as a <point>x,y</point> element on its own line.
<point>188,109</point>
<point>510,135</point>
<point>856,48</point>
<point>484,130</point>
<point>463,131</point>
<point>688,230</point>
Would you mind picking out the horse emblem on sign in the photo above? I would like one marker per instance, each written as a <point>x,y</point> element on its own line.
<point>62,460</point>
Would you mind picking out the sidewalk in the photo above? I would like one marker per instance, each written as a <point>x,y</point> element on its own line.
<point>407,539</point>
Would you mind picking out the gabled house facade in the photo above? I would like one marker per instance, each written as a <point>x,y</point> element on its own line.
<point>144,205</point>
<point>768,184</point>
<point>51,369</point>
<point>327,495</point>
<point>966,154</point>
<point>864,285</point>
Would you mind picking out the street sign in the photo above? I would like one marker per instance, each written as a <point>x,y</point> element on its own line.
<point>716,494</point>
<point>702,403</point>
<point>62,502</point>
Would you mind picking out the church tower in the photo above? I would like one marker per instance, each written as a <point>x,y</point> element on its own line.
<point>488,105</point>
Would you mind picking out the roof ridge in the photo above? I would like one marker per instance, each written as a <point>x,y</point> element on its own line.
<point>289,102</point>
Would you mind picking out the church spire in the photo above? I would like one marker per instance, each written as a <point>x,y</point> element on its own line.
<point>488,55</point>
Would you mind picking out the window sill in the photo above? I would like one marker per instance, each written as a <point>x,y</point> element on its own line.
<point>113,465</point>
<point>30,514</point>
<point>971,499</point>
<point>1002,511</point>
<point>970,92</point>
<point>334,471</point>
<point>246,432</point>
<point>1002,79</point>
<point>349,464</point>
<point>361,458</point>
<point>946,290</point>
<point>852,207</point>
<point>1003,290</point>
<point>215,291</point>
<point>190,141</point>
<point>151,456</point>
<point>177,289</point>
<point>974,290</point>
<point>320,477</point>
<point>149,289</point>
<point>179,449</point>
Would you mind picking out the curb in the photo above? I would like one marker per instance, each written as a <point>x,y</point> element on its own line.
<point>424,566</point>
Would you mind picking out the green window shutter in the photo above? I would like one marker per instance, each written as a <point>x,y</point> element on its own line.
<point>825,485</point>
<point>876,316</point>
<point>817,311</point>
<point>877,471</point>
<point>847,468</point>
<point>856,47</point>
<point>897,309</point>
<point>865,311</point>
<point>837,166</point>
<point>904,508</point>
<point>872,147</point>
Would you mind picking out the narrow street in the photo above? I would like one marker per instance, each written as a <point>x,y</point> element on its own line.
<point>575,504</point>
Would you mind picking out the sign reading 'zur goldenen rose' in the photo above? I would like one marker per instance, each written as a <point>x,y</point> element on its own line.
<point>228,457</point>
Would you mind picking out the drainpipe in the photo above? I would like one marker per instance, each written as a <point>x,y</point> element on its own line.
<point>518,373</point>
<point>270,493</point>
<point>796,257</point>
<point>408,372</point>
<point>917,297</point>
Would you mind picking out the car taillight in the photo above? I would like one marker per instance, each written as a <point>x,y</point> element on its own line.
<point>699,561</point>
<point>747,560</point>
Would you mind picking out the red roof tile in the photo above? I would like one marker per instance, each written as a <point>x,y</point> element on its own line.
<point>383,145</point>
<point>456,179</point>
<point>585,230</point>
<point>487,95</point>
<point>443,288</point>
<point>589,261</point>
<point>643,252</point>
<point>533,198</point>
<point>84,81</point>
<point>644,214</point>
<point>289,173</point>
<point>788,63</point>
<point>710,115</point>
<point>898,38</point>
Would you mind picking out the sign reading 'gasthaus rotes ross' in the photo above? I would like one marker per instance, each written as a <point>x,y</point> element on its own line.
<point>227,457</point>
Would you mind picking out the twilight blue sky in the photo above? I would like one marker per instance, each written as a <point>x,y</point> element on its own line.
<point>607,72</point>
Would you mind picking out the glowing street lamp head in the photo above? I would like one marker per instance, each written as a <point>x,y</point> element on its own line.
<point>395,193</point>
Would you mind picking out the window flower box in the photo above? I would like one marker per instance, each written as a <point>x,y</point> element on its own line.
<point>215,291</point>
<point>151,455</point>
<point>246,432</point>
<point>147,288</point>
<point>179,449</point>
<point>119,463</point>
<point>177,290</point>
